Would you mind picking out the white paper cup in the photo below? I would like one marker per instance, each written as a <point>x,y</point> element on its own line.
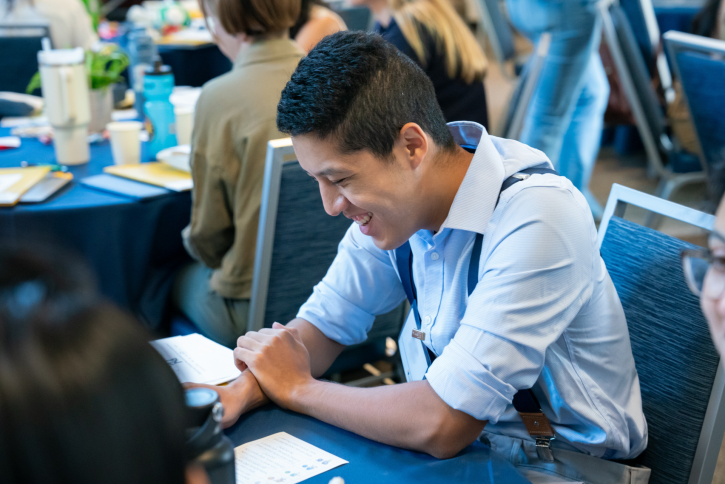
<point>184,124</point>
<point>125,142</point>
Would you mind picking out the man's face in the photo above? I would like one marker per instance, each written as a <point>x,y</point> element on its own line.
<point>714,308</point>
<point>381,196</point>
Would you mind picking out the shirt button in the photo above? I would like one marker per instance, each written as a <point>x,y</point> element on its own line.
<point>426,320</point>
<point>434,256</point>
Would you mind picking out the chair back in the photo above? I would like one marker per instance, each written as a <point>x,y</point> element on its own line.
<point>498,31</point>
<point>642,19</point>
<point>513,122</point>
<point>356,18</point>
<point>24,42</point>
<point>636,83</point>
<point>681,381</point>
<point>699,63</point>
<point>296,243</point>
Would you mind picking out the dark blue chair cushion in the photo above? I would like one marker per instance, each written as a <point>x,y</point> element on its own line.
<point>702,80</point>
<point>675,357</point>
<point>356,18</point>
<point>305,244</point>
<point>18,68</point>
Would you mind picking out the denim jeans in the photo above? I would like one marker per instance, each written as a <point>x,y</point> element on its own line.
<point>566,114</point>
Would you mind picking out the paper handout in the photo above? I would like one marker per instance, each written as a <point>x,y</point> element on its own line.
<point>281,458</point>
<point>196,359</point>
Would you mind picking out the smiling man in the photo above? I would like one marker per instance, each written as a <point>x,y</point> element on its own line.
<point>511,300</point>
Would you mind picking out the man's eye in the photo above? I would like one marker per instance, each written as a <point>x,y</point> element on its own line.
<point>340,181</point>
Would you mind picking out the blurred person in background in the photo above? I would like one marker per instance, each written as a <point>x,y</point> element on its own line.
<point>68,20</point>
<point>566,115</point>
<point>316,21</point>
<point>83,397</point>
<point>432,34</point>
<point>235,118</point>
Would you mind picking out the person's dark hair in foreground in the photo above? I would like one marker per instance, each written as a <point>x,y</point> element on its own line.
<point>362,90</point>
<point>83,397</point>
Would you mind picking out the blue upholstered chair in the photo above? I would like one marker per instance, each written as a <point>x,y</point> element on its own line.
<point>699,63</point>
<point>674,167</point>
<point>681,379</point>
<point>19,45</point>
<point>296,243</point>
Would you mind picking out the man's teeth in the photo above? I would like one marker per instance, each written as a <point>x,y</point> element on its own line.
<point>365,219</point>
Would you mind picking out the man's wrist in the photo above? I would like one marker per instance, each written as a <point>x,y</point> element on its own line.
<point>300,398</point>
<point>248,391</point>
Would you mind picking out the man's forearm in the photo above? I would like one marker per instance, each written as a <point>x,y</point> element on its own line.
<point>409,415</point>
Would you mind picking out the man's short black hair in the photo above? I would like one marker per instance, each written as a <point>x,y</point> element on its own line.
<point>361,89</point>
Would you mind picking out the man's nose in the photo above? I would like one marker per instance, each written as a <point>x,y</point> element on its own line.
<point>332,199</point>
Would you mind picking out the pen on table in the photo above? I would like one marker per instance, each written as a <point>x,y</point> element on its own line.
<point>53,167</point>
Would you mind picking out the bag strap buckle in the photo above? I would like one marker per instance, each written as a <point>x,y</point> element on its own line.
<point>543,448</point>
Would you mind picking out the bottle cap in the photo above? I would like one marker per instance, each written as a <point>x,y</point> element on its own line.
<point>158,69</point>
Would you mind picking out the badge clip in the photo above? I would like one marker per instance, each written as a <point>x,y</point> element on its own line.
<point>419,335</point>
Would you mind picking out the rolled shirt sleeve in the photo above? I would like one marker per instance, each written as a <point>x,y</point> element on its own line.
<point>534,278</point>
<point>360,284</point>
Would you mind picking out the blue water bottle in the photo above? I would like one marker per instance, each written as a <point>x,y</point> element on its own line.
<point>160,120</point>
<point>142,52</point>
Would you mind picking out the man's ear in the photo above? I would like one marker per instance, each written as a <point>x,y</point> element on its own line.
<point>413,141</point>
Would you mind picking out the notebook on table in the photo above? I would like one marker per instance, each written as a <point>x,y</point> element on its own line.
<point>156,173</point>
<point>14,182</point>
<point>124,187</point>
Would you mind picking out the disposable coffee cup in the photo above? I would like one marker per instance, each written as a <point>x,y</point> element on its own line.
<point>184,124</point>
<point>125,142</point>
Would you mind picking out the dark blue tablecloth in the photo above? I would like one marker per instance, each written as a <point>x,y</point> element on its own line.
<point>133,247</point>
<point>371,462</point>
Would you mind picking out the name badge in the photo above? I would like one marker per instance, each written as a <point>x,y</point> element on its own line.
<point>413,352</point>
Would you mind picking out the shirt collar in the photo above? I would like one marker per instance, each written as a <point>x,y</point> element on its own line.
<point>268,50</point>
<point>495,160</point>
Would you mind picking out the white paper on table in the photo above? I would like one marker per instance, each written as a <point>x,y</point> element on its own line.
<point>196,359</point>
<point>10,142</point>
<point>15,122</point>
<point>6,181</point>
<point>180,185</point>
<point>281,458</point>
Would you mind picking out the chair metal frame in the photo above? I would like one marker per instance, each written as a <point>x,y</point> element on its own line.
<point>676,42</point>
<point>669,181</point>
<point>279,152</point>
<point>713,426</point>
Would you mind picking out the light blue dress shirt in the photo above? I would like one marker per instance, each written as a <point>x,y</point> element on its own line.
<point>544,314</point>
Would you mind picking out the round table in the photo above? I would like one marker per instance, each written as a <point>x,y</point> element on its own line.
<point>373,462</point>
<point>134,247</point>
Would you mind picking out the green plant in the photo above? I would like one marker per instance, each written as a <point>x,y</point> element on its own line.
<point>104,68</point>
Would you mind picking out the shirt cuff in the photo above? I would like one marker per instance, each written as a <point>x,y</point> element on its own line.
<point>466,385</point>
<point>336,317</point>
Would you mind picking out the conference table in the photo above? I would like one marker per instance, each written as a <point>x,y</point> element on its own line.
<point>133,247</point>
<point>372,462</point>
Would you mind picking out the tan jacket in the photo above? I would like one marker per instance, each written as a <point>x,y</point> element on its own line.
<point>235,118</point>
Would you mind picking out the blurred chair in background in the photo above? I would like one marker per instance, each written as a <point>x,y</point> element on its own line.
<point>296,244</point>
<point>674,167</point>
<point>682,381</point>
<point>699,64</point>
<point>19,45</point>
<point>566,114</point>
